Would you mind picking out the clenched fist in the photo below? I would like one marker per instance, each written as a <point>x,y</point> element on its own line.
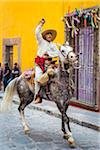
<point>42,21</point>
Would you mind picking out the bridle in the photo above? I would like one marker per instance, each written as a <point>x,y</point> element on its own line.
<point>67,54</point>
<point>66,57</point>
<point>71,63</point>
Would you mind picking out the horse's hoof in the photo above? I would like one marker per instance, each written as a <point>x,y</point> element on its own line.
<point>27,131</point>
<point>71,142</point>
<point>72,145</point>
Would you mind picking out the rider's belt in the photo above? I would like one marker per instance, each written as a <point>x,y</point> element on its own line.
<point>40,61</point>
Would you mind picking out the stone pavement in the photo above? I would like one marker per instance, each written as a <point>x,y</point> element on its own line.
<point>45,132</point>
<point>77,115</point>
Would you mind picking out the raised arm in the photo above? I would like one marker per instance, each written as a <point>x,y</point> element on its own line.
<point>38,31</point>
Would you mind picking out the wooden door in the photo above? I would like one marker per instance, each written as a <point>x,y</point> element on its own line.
<point>9,55</point>
<point>85,75</point>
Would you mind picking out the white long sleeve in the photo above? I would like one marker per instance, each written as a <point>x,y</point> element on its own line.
<point>45,46</point>
<point>38,33</point>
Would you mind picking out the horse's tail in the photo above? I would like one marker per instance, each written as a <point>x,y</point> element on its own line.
<point>8,96</point>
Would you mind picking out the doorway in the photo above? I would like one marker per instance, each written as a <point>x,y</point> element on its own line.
<point>8,54</point>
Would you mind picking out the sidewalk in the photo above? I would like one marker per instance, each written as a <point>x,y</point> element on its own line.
<point>77,115</point>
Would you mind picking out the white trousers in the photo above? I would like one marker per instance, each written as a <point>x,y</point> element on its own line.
<point>38,73</point>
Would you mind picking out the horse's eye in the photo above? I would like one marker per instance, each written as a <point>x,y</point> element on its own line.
<point>62,51</point>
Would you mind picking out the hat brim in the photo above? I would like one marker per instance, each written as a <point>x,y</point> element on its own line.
<point>53,32</point>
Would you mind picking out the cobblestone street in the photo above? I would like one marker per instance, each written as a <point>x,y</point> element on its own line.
<point>45,133</point>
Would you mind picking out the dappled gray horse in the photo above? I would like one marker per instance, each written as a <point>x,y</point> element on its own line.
<point>60,91</point>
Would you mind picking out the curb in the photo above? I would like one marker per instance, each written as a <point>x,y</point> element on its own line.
<point>76,121</point>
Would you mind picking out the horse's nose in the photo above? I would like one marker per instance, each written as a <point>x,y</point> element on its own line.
<point>77,57</point>
<point>78,54</point>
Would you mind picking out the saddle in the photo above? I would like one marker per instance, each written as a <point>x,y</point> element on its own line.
<point>29,75</point>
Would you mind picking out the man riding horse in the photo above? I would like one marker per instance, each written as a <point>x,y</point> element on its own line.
<point>46,51</point>
<point>61,86</point>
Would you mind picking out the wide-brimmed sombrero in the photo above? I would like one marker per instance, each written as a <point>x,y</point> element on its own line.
<point>53,32</point>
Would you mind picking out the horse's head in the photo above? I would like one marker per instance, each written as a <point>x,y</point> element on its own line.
<point>69,57</point>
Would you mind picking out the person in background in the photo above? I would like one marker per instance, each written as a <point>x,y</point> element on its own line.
<point>15,72</point>
<point>6,74</point>
<point>1,75</point>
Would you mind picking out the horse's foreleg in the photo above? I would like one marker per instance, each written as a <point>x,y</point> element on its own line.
<point>66,118</point>
<point>68,135</point>
<point>24,123</point>
<point>63,125</point>
<point>62,119</point>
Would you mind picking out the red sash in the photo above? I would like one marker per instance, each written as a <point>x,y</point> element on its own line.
<point>40,61</point>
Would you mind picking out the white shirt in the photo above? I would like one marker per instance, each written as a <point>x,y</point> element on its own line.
<point>44,46</point>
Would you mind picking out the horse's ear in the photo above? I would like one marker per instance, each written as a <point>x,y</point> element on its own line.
<point>62,48</point>
<point>58,46</point>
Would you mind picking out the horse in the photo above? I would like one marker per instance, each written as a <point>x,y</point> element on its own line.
<point>61,89</point>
